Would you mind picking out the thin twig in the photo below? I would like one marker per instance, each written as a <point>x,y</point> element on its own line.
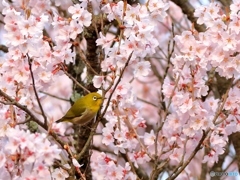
<point>67,148</point>
<point>35,91</point>
<point>28,119</point>
<point>51,95</point>
<point>84,59</point>
<point>137,171</point>
<point>220,108</point>
<point>162,123</point>
<point>87,144</point>
<point>118,81</point>
<point>24,108</point>
<point>156,171</point>
<point>190,157</point>
<point>170,53</point>
<point>147,102</point>
<point>74,80</point>
<point>182,159</point>
<point>188,9</point>
<point>138,138</point>
<point>58,164</point>
<point>155,70</point>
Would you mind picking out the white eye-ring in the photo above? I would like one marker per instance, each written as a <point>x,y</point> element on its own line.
<point>95,98</point>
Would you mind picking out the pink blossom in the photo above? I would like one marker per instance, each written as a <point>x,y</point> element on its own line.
<point>139,157</point>
<point>105,42</point>
<point>107,136</point>
<point>76,28</point>
<point>142,69</point>
<point>98,81</point>
<point>76,10</point>
<point>149,138</point>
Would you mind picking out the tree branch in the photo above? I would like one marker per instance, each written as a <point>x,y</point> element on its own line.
<point>225,3</point>
<point>198,147</point>
<point>3,48</point>
<point>35,91</point>
<point>188,9</point>
<point>24,108</point>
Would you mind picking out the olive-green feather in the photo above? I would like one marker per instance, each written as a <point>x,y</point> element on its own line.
<point>83,110</point>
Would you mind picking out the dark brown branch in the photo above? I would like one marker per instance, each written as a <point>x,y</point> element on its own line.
<point>147,102</point>
<point>204,169</point>
<point>3,48</point>
<point>170,53</point>
<point>225,3</point>
<point>35,91</point>
<point>87,62</point>
<point>88,142</point>
<point>91,60</point>
<point>198,147</point>
<point>224,99</point>
<point>51,95</point>
<point>188,9</point>
<point>73,79</point>
<point>158,169</point>
<point>118,81</point>
<point>137,171</point>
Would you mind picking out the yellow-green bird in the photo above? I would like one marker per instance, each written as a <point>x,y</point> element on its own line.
<point>83,110</point>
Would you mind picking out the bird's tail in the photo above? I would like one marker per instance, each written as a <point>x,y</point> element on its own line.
<point>60,120</point>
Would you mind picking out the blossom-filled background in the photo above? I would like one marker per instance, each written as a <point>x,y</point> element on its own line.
<point>168,71</point>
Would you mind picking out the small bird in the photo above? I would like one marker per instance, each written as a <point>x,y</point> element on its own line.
<point>83,110</point>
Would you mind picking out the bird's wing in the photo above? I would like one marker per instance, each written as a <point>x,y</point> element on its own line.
<point>76,110</point>
<point>86,116</point>
<point>70,115</point>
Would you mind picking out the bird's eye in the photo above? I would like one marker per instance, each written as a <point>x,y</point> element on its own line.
<point>94,98</point>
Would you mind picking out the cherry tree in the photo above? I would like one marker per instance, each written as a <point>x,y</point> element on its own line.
<point>168,71</point>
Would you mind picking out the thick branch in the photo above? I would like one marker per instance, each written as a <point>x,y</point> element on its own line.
<point>3,48</point>
<point>188,9</point>
<point>225,3</point>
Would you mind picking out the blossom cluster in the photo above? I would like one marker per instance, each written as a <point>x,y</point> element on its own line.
<point>30,66</point>
<point>216,50</point>
<point>123,115</point>
<point>190,116</point>
<point>26,155</point>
